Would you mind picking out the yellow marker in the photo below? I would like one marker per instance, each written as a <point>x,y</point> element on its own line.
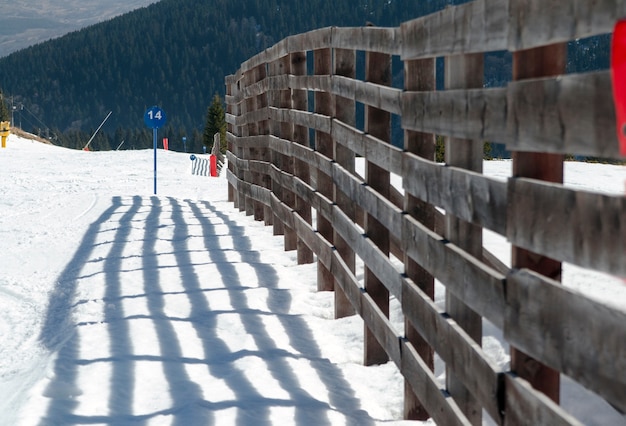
<point>5,127</point>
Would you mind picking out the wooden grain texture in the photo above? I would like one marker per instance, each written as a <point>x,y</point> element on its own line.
<point>465,194</point>
<point>323,101</point>
<point>582,338</point>
<point>479,286</point>
<point>367,146</point>
<point>464,356</point>
<point>344,64</point>
<point>371,39</point>
<point>464,72</point>
<point>370,200</point>
<point>462,113</point>
<point>570,114</point>
<point>527,406</point>
<point>477,26</point>
<point>536,23</point>
<point>442,407</point>
<point>584,228</point>
<point>420,75</point>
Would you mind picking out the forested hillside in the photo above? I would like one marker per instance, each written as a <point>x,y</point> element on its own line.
<point>174,54</point>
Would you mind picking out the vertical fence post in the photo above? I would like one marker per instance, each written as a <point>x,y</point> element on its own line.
<point>539,62</point>
<point>251,129</point>
<point>277,69</point>
<point>419,76</point>
<point>239,149</point>
<point>464,71</point>
<point>286,132</point>
<point>260,128</point>
<point>344,65</point>
<point>377,124</point>
<point>301,136</point>
<point>322,64</point>
<point>231,107</point>
<point>265,154</point>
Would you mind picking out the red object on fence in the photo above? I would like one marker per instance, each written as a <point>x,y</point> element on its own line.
<point>618,76</point>
<point>213,165</point>
<point>166,143</point>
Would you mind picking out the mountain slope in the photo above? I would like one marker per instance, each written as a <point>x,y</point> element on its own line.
<point>24,23</point>
<point>175,54</point>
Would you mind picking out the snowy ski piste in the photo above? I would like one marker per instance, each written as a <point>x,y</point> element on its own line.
<point>118,306</point>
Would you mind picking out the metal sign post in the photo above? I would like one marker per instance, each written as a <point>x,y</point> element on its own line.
<point>154,118</point>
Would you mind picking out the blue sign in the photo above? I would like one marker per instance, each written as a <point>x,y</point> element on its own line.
<point>154,118</point>
<point>192,157</point>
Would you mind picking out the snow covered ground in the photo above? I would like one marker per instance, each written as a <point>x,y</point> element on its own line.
<point>121,307</point>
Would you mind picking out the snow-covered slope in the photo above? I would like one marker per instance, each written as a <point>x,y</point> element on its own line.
<point>121,307</point>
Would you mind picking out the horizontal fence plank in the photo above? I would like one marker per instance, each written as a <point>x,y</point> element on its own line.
<point>371,39</point>
<point>584,228</point>
<point>572,114</point>
<point>479,286</point>
<point>477,26</point>
<point>467,195</point>
<point>463,113</point>
<point>301,118</point>
<point>526,406</point>
<point>438,403</point>
<point>372,149</point>
<point>583,338</point>
<point>442,407</point>
<point>379,325</point>
<point>536,23</point>
<point>454,346</point>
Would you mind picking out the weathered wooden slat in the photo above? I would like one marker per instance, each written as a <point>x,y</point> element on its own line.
<point>282,211</point>
<point>253,142</point>
<point>380,208</point>
<point>454,346</point>
<point>477,26</point>
<point>570,114</point>
<point>344,64</point>
<point>306,233</point>
<point>580,227</point>
<point>479,286</point>
<point>378,96</point>
<point>462,113</point>
<point>439,404</point>
<point>371,39</point>
<point>301,118</point>
<point>372,149</point>
<point>325,252</point>
<point>252,117</point>
<point>465,194</point>
<point>344,276</point>
<point>536,23</point>
<point>583,338</point>
<point>377,322</point>
<point>371,255</point>
<point>525,405</point>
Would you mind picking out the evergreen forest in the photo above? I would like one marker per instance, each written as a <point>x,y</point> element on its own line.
<point>175,54</point>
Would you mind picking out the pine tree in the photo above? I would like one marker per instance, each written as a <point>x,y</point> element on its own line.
<point>215,123</point>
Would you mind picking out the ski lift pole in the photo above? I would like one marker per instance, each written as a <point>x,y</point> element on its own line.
<point>86,148</point>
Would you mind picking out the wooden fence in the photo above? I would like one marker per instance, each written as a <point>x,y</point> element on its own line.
<point>293,140</point>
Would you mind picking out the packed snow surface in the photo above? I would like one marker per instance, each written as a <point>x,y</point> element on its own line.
<point>120,307</point>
